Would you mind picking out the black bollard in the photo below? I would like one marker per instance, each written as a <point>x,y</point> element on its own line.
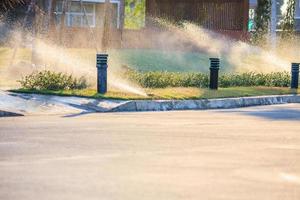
<point>214,73</point>
<point>102,73</point>
<point>295,76</point>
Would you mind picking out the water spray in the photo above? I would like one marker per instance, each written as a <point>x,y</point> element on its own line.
<point>214,73</point>
<point>295,76</point>
<point>102,73</point>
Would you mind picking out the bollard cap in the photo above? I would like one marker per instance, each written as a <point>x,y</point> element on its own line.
<point>214,59</point>
<point>214,63</point>
<point>102,55</point>
<point>295,67</point>
<point>102,59</point>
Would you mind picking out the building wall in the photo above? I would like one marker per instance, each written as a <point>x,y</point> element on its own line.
<point>213,14</point>
<point>297,16</point>
<point>76,35</point>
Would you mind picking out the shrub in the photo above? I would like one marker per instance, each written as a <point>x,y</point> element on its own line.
<point>175,79</point>
<point>47,80</point>
<point>274,79</point>
<point>168,79</point>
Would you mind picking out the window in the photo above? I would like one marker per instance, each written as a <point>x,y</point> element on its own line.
<point>77,15</point>
<point>87,14</point>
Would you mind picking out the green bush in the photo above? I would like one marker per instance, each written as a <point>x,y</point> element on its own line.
<point>168,79</point>
<point>274,79</point>
<point>175,79</point>
<point>47,80</point>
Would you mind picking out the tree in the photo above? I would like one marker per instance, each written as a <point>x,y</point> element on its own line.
<point>262,21</point>
<point>288,23</point>
<point>273,24</point>
<point>135,14</point>
<point>106,26</point>
<point>48,7</point>
<point>9,4</point>
<point>62,21</point>
<point>30,10</point>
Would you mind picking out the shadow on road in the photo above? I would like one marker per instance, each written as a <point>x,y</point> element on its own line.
<point>275,113</point>
<point>77,114</point>
<point>86,110</point>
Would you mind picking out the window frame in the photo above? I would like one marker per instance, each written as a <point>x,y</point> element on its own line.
<point>94,3</point>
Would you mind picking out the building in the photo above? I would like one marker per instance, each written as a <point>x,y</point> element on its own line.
<point>297,16</point>
<point>83,20</point>
<point>89,13</point>
<point>86,17</point>
<point>229,17</point>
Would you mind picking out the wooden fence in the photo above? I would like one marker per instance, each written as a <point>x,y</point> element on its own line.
<point>212,14</point>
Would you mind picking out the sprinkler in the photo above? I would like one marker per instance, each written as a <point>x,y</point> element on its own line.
<point>214,73</point>
<point>295,75</point>
<point>102,73</point>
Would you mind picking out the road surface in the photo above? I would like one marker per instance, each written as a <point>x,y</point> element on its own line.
<point>243,154</point>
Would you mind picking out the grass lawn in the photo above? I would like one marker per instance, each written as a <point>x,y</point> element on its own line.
<point>171,93</point>
<point>139,59</point>
<point>159,60</point>
<point>6,54</point>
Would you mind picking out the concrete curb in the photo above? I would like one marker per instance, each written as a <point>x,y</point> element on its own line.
<point>11,104</point>
<point>9,114</point>
<point>204,104</point>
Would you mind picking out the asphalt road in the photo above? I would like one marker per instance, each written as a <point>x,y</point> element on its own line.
<point>250,153</point>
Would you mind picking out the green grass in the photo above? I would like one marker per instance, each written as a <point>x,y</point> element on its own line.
<point>6,54</point>
<point>171,93</point>
<point>158,60</point>
<point>139,59</point>
<point>172,61</point>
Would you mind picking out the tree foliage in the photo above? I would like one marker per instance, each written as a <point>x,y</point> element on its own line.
<point>288,23</point>
<point>135,14</point>
<point>9,4</point>
<point>262,20</point>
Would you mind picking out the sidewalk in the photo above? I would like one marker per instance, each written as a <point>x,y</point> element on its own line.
<point>25,104</point>
<point>28,104</point>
